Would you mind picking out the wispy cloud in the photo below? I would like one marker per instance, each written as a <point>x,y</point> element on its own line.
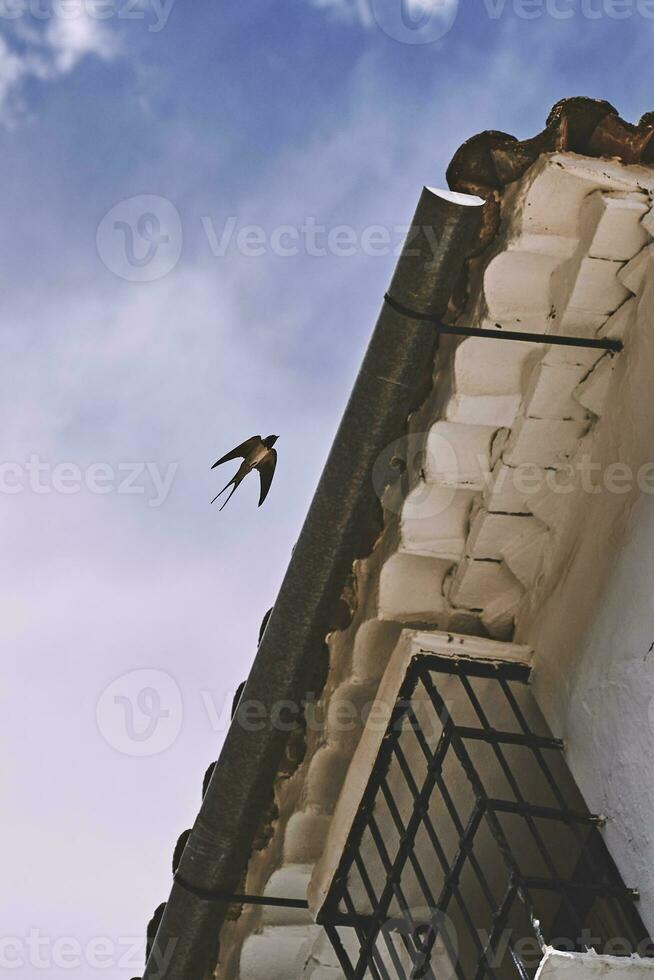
<point>46,51</point>
<point>362,11</point>
<point>357,11</point>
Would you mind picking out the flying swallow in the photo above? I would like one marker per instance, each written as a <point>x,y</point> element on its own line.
<point>257,454</point>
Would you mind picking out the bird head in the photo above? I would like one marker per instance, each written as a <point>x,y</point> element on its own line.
<point>270,441</point>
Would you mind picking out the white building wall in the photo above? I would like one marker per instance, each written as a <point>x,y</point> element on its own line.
<point>592,622</point>
<point>609,711</point>
<point>602,702</point>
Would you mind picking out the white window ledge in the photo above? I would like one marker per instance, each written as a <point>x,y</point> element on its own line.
<point>557,965</point>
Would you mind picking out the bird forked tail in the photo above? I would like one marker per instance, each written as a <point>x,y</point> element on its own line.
<point>222,492</point>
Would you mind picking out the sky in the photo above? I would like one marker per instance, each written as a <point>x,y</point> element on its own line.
<point>201,205</point>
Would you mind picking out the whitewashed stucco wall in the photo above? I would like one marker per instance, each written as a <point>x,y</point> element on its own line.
<point>603,705</point>
<point>592,626</point>
<point>610,716</point>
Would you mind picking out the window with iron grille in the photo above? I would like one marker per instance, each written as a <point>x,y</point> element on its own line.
<point>472,849</point>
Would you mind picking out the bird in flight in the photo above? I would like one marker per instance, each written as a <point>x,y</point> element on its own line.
<point>257,454</point>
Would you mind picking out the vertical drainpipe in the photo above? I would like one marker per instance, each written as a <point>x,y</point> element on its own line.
<point>394,378</point>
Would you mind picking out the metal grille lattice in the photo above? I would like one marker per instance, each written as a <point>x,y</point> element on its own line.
<point>473,848</point>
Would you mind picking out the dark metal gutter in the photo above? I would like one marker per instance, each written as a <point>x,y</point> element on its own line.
<point>395,376</point>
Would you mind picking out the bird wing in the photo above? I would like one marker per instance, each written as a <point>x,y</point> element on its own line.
<point>266,472</point>
<point>243,450</point>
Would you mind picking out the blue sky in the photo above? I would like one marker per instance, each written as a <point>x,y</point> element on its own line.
<point>279,115</point>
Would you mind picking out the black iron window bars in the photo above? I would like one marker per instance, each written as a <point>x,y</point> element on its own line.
<point>472,849</point>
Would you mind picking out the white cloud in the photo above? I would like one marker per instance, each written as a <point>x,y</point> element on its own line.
<point>47,52</point>
<point>70,40</point>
